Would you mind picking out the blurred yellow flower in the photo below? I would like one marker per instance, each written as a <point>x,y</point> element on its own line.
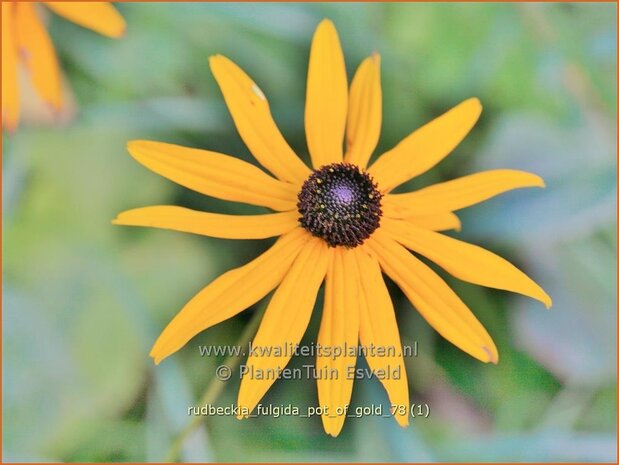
<point>25,42</point>
<point>338,223</point>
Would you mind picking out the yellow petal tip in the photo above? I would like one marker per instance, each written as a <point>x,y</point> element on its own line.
<point>132,145</point>
<point>119,221</point>
<point>402,420</point>
<point>335,431</point>
<point>119,33</point>
<point>475,101</point>
<point>214,59</point>
<point>493,356</point>
<point>530,179</point>
<point>119,218</point>
<point>542,296</point>
<point>326,22</point>
<point>333,425</point>
<point>327,27</point>
<point>155,354</point>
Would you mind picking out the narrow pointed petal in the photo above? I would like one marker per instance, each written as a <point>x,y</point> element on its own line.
<point>10,83</point>
<point>339,330</point>
<point>38,55</point>
<point>467,262</point>
<point>462,192</point>
<point>284,321</point>
<point>436,220</point>
<point>364,112</point>
<point>326,101</point>
<point>433,298</point>
<point>230,294</point>
<point>425,147</point>
<point>211,224</point>
<point>378,328</point>
<point>101,17</point>
<point>215,174</point>
<point>252,116</point>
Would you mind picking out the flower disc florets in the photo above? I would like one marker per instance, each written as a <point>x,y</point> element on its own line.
<point>341,204</point>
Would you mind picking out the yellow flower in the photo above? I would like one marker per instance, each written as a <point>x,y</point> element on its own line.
<point>25,42</point>
<point>337,223</point>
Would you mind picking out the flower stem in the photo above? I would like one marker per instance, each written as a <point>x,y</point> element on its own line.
<point>215,387</point>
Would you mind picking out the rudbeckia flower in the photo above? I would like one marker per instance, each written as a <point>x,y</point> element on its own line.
<point>25,43</point>
<point>337,223</point>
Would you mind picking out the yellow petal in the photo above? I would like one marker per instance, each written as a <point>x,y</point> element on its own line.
<point>436,221</point>
<point>101,17</point>
<point>211,224</point>
<point>433,298</point>
<point>462,192</point>
<point>10,83</point>
<point>378,328</point>
<point>284,322</point>
<point>250,110</point>
<point>465,261</point>
<point>326,101</point>
<point>214,174</point>
<point>230,294</point>
<point>364,112</point>
<point>37,53</point>
<point>425,147</point>
<point>339,332</point>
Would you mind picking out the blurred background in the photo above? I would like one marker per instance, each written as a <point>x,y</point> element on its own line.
<point>83,300</point>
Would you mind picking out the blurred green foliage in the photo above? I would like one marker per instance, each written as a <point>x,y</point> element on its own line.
<point>83,300</point>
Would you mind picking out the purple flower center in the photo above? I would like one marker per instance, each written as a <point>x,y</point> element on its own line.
<point>343,194</point>
<point>340,204</point>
